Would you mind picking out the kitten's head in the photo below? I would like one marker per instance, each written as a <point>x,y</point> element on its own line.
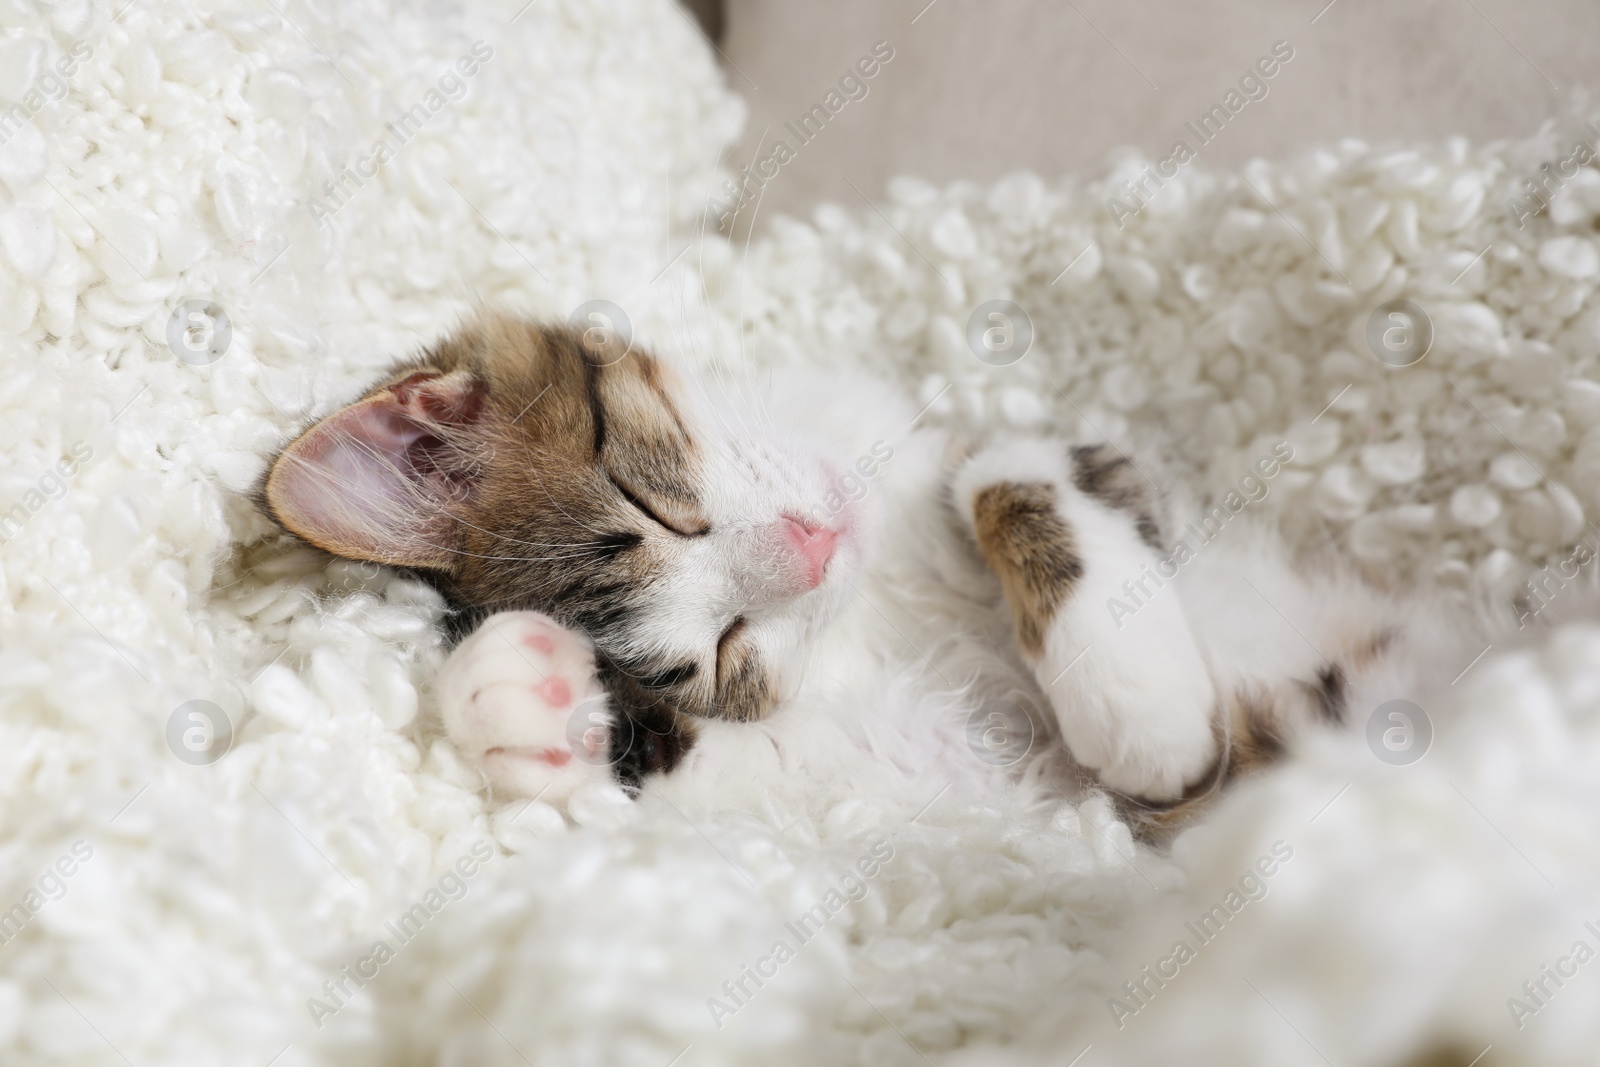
<point>527,468</point>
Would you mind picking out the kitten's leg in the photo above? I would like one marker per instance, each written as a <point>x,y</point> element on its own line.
<point>520,701</point>
<point>1071,533</point>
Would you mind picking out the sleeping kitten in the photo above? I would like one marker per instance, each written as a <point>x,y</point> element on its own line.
<point>718,587</point>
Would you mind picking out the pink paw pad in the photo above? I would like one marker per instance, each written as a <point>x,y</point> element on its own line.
<point>555,692</point>
<point>540,643</point>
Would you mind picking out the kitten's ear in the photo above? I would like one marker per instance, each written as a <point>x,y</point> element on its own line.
<point>384,478</point>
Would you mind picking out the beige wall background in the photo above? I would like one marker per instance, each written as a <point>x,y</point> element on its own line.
<point>982,88</point>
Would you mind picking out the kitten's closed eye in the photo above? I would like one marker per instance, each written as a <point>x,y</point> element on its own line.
<point>645,509</point>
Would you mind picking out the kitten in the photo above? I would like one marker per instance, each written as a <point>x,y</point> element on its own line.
<point>718,586</point>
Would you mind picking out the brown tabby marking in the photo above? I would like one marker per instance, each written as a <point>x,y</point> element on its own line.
<point>1330,688</point>
<point>1026,542</point>
<point>1110,477</point>
<point>741,684</point>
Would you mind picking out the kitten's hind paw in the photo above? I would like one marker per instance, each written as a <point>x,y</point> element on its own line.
<point>1071,534</point>
<point>520,701</point>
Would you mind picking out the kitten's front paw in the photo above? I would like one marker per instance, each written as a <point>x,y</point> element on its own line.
<point>520,700</point>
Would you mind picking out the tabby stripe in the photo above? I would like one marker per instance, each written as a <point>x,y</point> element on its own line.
<point>1029,545</point>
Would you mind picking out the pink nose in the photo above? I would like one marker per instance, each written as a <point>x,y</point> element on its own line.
<point>815,545</point>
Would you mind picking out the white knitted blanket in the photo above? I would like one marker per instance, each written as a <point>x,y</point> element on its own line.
<point>164,161</point>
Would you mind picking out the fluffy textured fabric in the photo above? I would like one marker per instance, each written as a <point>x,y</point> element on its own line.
<point>215,913</point>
